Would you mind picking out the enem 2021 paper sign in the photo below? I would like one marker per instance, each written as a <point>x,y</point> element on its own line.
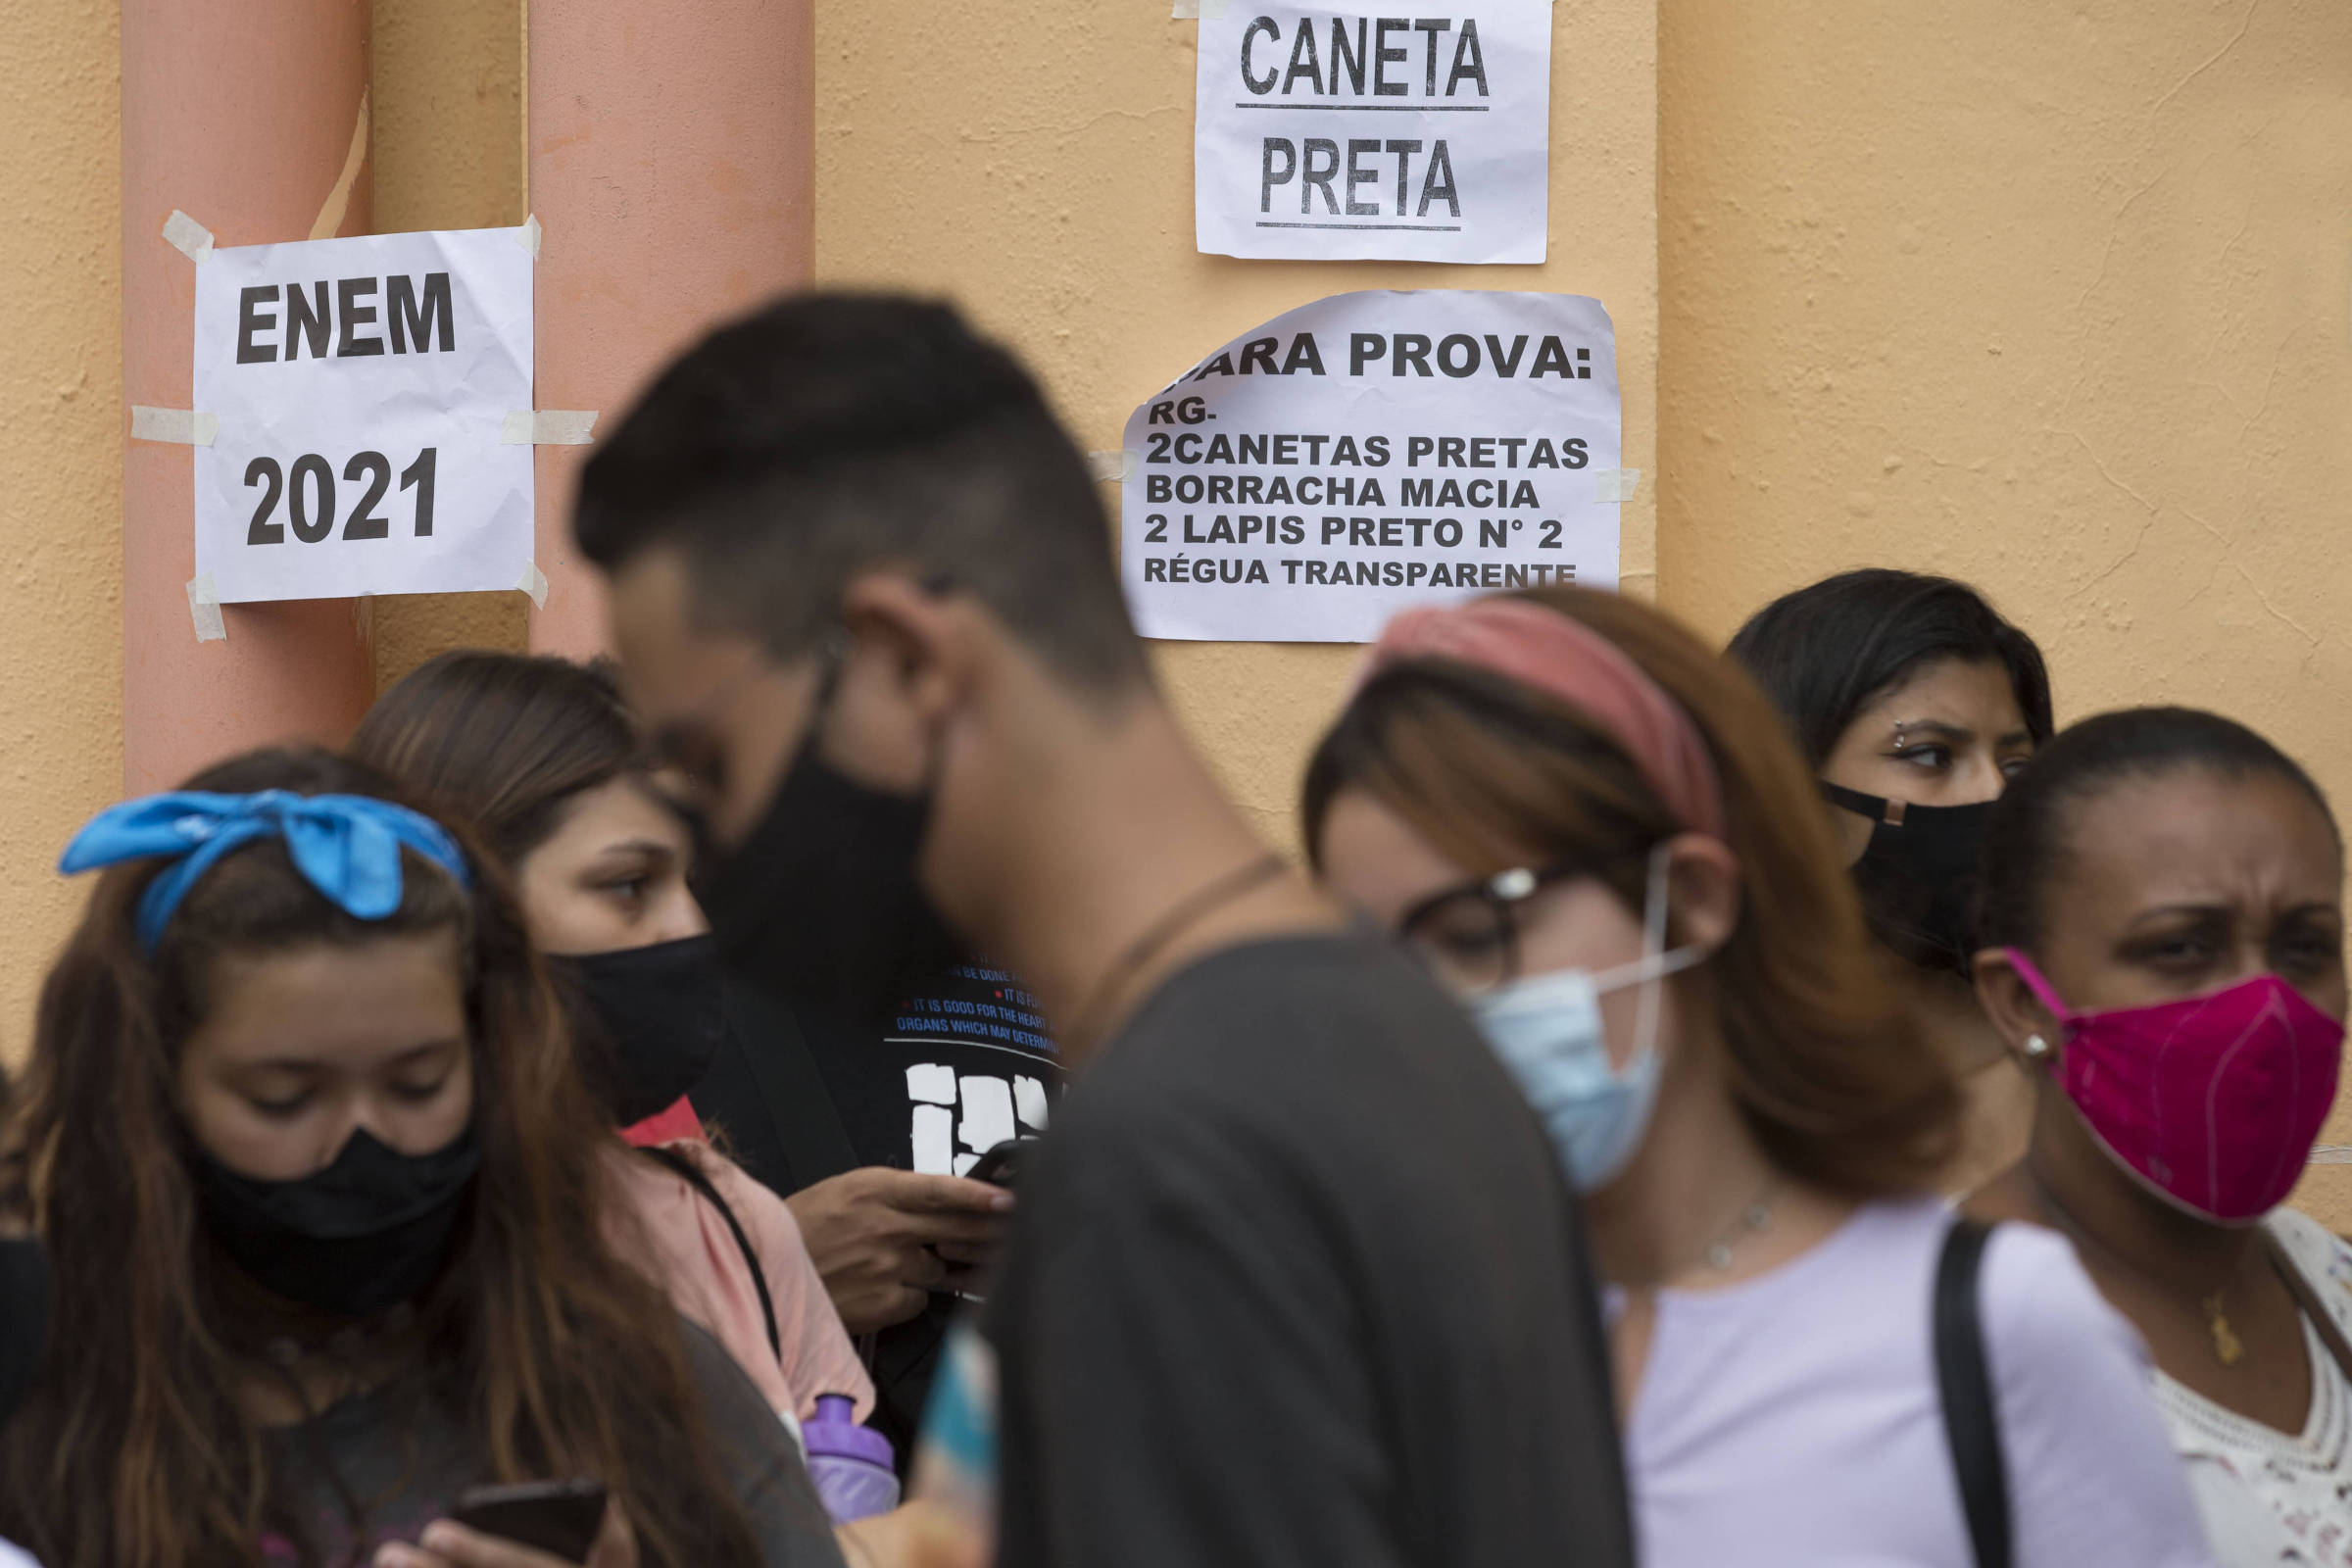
<point>362,386</point>
<point>1372,451</point>
<point>1343,134</point>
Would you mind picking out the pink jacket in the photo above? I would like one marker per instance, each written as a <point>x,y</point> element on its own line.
<point>695,1258</point>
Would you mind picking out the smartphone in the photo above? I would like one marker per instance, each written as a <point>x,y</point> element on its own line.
<point>1001,1165</point>
<point>560,1517</point>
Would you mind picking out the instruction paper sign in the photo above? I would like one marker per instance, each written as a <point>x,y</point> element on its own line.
<point>362,386</point>
<point>1333,134</point>
<point>1369,451</point>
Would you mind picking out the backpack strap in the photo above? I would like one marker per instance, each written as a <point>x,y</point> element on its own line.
<point>692,1174</point>
<point>1970,1421</point>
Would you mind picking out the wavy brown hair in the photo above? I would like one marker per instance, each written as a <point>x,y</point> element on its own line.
<point>1823,1062</point>
<point>134,1450</point>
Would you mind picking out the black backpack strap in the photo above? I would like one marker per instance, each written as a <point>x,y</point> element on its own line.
<point>694,1177</point>
<point>1970,1421</point>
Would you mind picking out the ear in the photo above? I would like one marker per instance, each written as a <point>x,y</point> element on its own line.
<point>2033,1037</point>
<point>1702,883</point>
<point>907,664</point>
<point>914,640</point>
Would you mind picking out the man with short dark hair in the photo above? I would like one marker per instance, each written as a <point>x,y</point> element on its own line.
<point>1294,1279</point>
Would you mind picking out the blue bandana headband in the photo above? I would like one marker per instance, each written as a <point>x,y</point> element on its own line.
<point>346,846</point>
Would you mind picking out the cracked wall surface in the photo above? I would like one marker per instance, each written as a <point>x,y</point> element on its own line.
<point>2056,299</point>
<point>62,425</point>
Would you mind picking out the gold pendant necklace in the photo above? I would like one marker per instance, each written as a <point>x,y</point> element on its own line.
<point>2227,1347</point>
<point>2226,1343</point>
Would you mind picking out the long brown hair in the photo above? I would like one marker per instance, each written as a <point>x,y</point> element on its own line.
<point>134,1449</point>
<point>502,740</point>
<point>1825,1064</point>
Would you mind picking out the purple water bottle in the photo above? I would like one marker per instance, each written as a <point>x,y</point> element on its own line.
<point>850,1463</point>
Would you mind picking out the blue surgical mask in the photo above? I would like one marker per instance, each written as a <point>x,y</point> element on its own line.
<point>1548,1031</point>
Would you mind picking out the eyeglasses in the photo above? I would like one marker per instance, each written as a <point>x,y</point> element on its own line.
<point>1469,934</point>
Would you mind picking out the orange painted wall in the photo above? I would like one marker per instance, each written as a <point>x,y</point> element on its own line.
<point>2057,299</point>
<point>60,466</point>
<point>1040,169</point>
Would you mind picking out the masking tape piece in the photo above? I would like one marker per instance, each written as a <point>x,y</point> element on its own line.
<point>188,237</point>
<point>1196,10</point>
<point>1615,484</point>
<point>528,235</point>
<point>533,581</point>
<point>549,428</point>
<point>204,608</point>
<point>187,426</point>
<point>2332,1154</point>
<point>1109,468</point>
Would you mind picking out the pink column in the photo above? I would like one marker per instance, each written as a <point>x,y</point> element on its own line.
<point>248,115</point>
<point>671,165</point>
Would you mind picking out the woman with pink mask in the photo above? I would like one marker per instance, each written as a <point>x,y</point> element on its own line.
<point>2164,909</point>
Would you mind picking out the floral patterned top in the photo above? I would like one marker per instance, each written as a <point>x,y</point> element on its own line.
<point>2269,1497</point>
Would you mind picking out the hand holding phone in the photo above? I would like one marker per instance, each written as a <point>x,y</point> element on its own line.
<point>560,1518</point>
<point>1000,1166</point>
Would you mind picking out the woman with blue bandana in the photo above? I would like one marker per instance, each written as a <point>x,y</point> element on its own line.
<point>321,1188</point>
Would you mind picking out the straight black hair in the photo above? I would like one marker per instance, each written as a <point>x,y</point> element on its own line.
<point>1822,652</point>
<point>830,434</point>
<point>2026,838</point>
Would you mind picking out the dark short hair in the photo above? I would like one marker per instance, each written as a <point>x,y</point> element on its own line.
<point>833,433</point>
<point>1824,652</point>
<point>2027,837</point>
<point>502,740</point>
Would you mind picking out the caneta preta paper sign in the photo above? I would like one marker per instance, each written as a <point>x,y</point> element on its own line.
<point>1368,452</point>
<point>1418,133</point>
<point>362,386</point>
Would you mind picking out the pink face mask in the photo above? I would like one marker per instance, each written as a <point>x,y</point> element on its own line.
<point>2213,1100</point>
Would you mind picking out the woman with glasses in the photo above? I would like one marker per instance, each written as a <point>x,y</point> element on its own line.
<point>1597,834</point>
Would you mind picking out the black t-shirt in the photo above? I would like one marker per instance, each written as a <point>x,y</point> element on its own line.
<point>964,1064</point>
<point>799,1097</point>
<point>1295,1280</point>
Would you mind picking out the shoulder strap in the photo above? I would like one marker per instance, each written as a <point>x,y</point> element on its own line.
<point>694,1177</point>
<point>1970,1421</point>
<point>2298,1284</point>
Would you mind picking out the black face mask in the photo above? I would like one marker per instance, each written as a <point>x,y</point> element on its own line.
<point>23,1319</point>
<point>1919,876</point>
<point>820,904</point>
<point>650,1022</point>
<point>366,1233</point>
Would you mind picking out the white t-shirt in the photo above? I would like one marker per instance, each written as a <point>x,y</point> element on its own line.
<point>2269,1497</point>
<point>1794,1418</point>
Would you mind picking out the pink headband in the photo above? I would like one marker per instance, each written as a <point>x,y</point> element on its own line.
<point>1563,657</point>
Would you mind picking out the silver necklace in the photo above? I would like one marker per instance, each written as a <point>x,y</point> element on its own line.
<point>1754,1220</point>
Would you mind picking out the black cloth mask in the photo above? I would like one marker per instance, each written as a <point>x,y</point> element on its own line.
<point>24,1309</point>
<point>820,904</point>
<point>1919,876</point>
<point>650,1022</point>
<point>362,1236</point>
